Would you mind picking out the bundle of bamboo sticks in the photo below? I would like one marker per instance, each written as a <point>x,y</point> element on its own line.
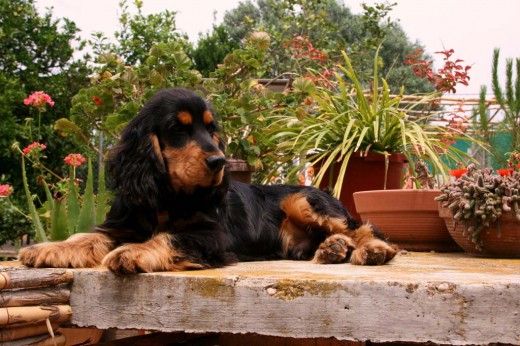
<point>33,304</point>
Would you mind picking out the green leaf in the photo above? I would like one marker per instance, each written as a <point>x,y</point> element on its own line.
<point>87,215</point>
<point>59,221</point>
<point>102,197</point>
<point>35,218</point>
<point>72,206</point>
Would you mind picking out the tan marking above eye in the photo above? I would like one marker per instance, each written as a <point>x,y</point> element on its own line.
<point>207,117</point>
<point>185,118</point>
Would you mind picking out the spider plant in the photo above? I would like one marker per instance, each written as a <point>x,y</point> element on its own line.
<point>346,119</point>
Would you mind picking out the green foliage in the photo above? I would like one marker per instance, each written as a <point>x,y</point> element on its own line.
<point>330,27</point>
<point>212,48</point>
<point>87,214</point>
<point>139,33</point>
<point>346,118</point>
<point>33,214</point>
<point>508,99</point>
<point>503,122</point>
<point>239,100</point>
<point>36,54</point>
<point>65,210</point>
<point>118,91</point>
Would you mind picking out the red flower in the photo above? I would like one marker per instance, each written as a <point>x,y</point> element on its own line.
<point>504,172</point>
<point>457,173</point>
<point>38,100</point>
<point>74,160</point>
<point>97,100</point>
<point>5,190</point>
<point>34,147</point>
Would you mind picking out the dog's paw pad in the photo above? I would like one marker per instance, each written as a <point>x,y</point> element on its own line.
<point>335,249</point>
<point>374,252</point>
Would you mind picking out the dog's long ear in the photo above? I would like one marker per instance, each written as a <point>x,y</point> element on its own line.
<point>136,165</point>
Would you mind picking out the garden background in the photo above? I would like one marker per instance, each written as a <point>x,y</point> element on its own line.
<point>98,81</point>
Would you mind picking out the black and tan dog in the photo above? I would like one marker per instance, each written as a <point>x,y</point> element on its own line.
<point>176,208</point>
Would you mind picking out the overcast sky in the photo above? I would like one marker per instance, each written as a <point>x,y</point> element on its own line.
<point>473,28</point>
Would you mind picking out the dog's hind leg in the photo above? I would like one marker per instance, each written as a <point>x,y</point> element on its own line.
<point>316,223</point>
<point>82,250</point>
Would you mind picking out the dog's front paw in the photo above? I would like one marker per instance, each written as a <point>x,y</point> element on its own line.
<point>154,255</point>
<point>373,252</point>
<point>82,250</point>
<point>335,249</point>
<point>131,259</point>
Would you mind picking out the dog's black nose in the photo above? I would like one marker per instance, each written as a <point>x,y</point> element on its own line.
<point>215,162</point>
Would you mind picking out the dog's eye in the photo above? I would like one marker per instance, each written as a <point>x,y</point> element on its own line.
<point>176,128</point>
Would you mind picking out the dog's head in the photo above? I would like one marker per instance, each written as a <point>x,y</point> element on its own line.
<point>171,145</point>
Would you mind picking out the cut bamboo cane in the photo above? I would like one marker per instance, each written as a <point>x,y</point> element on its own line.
<point>25,331</point>
<point>40,340</point>
<point>34,278</point>
<point>35,296</point>
<point>27,314</point>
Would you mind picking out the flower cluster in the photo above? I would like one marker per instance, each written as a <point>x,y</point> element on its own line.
<point>38,99</point>
<point>34,148</point>
<point>5,190</point>
<point>74,160</point>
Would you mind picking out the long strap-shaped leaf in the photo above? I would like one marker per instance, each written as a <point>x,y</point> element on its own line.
<point>35,218</point>
<point>72,207</point>
<point>59,221</point>
<point>102,197</point>
<point>87,215</point>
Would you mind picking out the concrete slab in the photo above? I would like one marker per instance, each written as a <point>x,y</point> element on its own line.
<point>419,297</point>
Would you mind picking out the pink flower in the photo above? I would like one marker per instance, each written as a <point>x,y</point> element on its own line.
<point>74,160</point>
<point>5,190</point>
<point>35,146</point>
<point>38,100</point>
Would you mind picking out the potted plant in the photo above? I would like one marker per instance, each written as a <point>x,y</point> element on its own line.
<point>482,211</point>
<point>409,216</point>
<point>344,123</point>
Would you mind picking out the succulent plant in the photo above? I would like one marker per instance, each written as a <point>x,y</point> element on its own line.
<point>479,197</point>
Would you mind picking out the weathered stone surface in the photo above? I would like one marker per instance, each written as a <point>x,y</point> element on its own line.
<point>419,297</point>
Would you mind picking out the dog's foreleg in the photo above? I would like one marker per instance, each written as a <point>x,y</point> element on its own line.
<point>82,250</point>
<point>154,255</point>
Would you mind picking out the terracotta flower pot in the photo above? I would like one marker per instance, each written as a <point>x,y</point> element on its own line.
<point>366,173</point>
<point>410,218</point>
<point>240,170</point>
<point>507,245</point>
